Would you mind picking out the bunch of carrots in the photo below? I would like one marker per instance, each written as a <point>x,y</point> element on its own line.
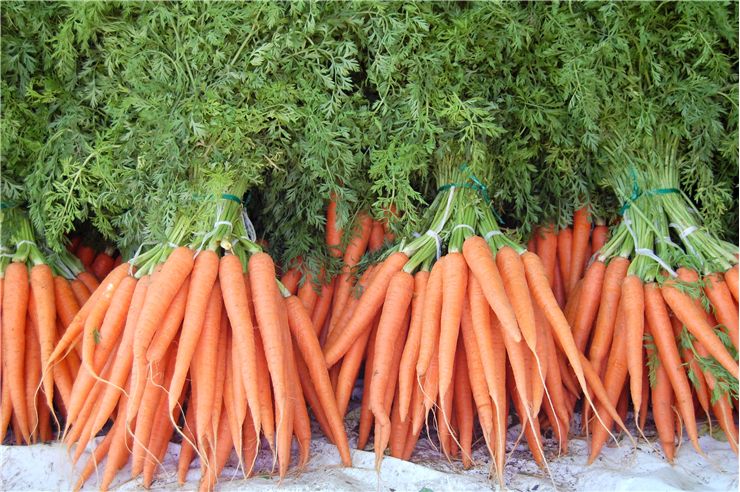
<point>658,318</point>
<point>196,339</point>
<point>40,293</point>
<point>459,319</point>
<point>201,341</point>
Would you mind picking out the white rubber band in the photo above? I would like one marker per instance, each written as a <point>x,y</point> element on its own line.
<point>251,232</point>
<point>463,226</point>
<point>415,234</point>
<point>26,241</point>
<point>646,251</point>
<point>438,240</point>
<point>490,234</point>
<point>173,245</point>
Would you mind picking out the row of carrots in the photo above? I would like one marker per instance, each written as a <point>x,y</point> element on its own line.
<point>211,351</point>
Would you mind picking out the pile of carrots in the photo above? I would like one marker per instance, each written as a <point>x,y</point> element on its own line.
<point>204,344</point>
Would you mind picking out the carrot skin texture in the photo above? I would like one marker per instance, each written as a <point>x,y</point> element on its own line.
<point>368,306</point>
<point>15,304</point>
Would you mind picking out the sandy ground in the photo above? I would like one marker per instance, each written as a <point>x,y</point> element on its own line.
<point>47,467</point>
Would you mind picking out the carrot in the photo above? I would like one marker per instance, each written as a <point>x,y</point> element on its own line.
<point>515,284</point>
<point>267,310</point>
<point>579,248</point>
<point>86,255</point>
<point>170,324</point>
<point>721,407</point>
<point>164,288</point>
<point>663,412</point>
<point>366,415</point>
<point>187,451</point>
<point>203,367</point>
<point>558,288</point>
<point>65,302</point>
<point>158,441</point>
<point>32,376</point>
<point>286,421</point>
<point>565,246</point>
<point>235,426</point>
<point>333,233</point>
<point>598,237</point>
<point>266,408</point>
<point>75,328</point>
<point>695,320</point>
<point>355,249</point>
<point>481,263</point>
<point>397,300</point>
<point>301,421</point>
<point>464,406</point>
<point>307,293</point>
<point>97,456</point>
<point>80,292</point>
<point>724,306</point>
<point>124,356</point>
<point>543,296</point>
<point>399,429</point>
<point>89,280</point>
<point>74,243</point>
<point>411,349</point>
<point>611,292</point>
<point>660,328</point>
<point>488,336</point>
<point>369,304</point>
<point>42,288</point>
<point>6,409</point>
<point>308,345</point>
<point>475,371</point>
<point>454,284</point>
<point>290,280</point>
<point>323,306</point>
<point>145,413</point>
<point>205,271</point>
<point>237,305</point>
<point>15,304</point>
<point>102,265</point>
<point>731,277</point>
<point>119,451</point>
<point>588,303</point>
<point>377,236</point>
<point>634,324</point>
<point>614,379</point>
<point>312,397</point>
<point>350,306</point>
<point>430,319</point>
<point>250,443</point>
<point>547,248</point>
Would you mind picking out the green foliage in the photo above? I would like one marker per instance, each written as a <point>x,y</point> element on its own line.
<point>118,114</point>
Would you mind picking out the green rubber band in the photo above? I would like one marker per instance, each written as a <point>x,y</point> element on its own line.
<point>233,198</point>
<point>657,191</point>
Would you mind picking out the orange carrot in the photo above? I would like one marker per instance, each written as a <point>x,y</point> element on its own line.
<point>367,307</point>
<point>731,277</point>
<point>464,406</point>
<point>15,304</point>
<point>430,319</point>
<point>565,246</point>
<point>205,271</point>
<point>481,263</point>
<point>308,344</point>
<point>377,236</point>
<point>724,306</point>
<point>588,304</point>
<point>237,305</point>
<point>397,301</point>
<point>333,233</point>
<point>611,292</point>
<point>663,335</point>
<point>695,320</point>
<point>579,248</point>
<point>633,298</point>
<point>411,349</point>
<point>598,237</point>
<point>170,324</point>
<point>42,288</point>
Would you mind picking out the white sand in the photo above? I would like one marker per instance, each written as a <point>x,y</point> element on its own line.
<point>47,467</point>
